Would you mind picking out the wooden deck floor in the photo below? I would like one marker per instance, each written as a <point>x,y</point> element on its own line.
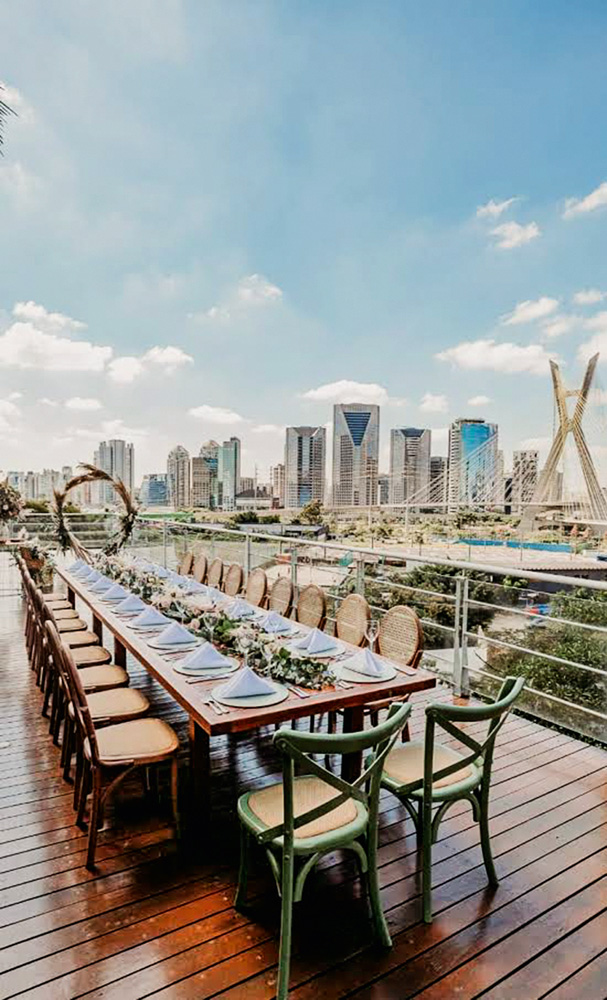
<point>155,922</point>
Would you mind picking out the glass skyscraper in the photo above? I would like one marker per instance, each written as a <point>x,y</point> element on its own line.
<point>355,454</point>
<point>409,464</point>
<point>473,464</point>
<point>304,465</point>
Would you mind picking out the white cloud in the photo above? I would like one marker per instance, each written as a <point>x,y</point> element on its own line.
<point>478,401</point>
<point>597,322</point>
<point>529,310</point>
<point>170,358</point>
<point>14,395</point>
<point>487,355</point>
<point>216,415</point>
<point>22,345</point>
<point>124,370</point>
<point>48,322</point>
<point>581,206</point>
<point>559,325</point>
<point>512,234</point>
<point>255,290</point>
<point>45,401</point>
<point>433,404</point>
<point>115,428</point>
<point>346,391</point>
<point>251,292</point>
<point>82,403</point>
<point>8,412</point>
<point>493,209</point>
<point>589,297</point>
<point>598,342</point>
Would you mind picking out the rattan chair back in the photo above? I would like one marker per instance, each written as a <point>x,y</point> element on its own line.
<point>199,570</point>
<point>185,566</point>
<point>215,573</point>
<point>352,619</point>
<point>257,587</point>
<point>401,637</point>
<point>281,596</point>
<point>312,606</point>
<point>232,581</point>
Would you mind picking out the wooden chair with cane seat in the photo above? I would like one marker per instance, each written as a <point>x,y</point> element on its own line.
<point>312,606</point>
<point>199,570</point>
<point>257,587</point>
<point>215,573</point>
<point>352,620</point>
<point>232,580</point>
<point>113,752</point>
<point>185,566</point>
<point>280,598</point>
<point>311,814</point>
<point>106,706</point>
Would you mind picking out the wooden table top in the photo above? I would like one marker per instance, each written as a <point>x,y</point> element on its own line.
<point>191,696</point>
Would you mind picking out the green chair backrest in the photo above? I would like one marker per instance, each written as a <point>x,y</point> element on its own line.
<point>299,748</point>
<point>447,717</point>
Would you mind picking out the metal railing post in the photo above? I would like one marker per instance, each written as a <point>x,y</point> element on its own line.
<point>294,568</point>
<point>465,678</point>
<point>247,555</point>
<point>164,544</point>
<point>360,576</point>
<point>457,649</point>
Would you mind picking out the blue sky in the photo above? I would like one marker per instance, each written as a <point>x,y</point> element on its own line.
<point>286,195</point>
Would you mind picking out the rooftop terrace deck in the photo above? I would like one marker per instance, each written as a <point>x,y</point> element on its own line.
<point>157,922</point>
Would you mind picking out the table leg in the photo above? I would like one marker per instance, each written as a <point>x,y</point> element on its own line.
<point>98,628</point>
<point>354,722</point>
<point>119,653</point>
<point>71,596</point>
<point>200,775</point>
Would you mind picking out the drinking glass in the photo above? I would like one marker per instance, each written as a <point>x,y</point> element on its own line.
<point>371,633</point>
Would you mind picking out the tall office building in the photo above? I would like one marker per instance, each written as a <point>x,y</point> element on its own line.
<point>228,473</point>
<point>117,458</point>
<point>204,476</point>
<point>154,490</point>
<point>305,461</point>
<point>525,471</point>
<point>409,464</point>
<point>438,480</point>
<point>473,463</point>
<point>383,488</point>
<point>355,454</point>
<point>277,481</point>
<point>179,478</point>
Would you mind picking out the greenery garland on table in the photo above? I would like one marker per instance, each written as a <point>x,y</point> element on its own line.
<point>126,521</point>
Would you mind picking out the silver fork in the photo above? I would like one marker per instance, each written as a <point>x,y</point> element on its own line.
<point>297,691</point>
<point>217,708</point>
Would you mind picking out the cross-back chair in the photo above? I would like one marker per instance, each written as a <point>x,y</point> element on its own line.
<point>199,569</point>
<point>280,598</point>
<point>427,774</point>
<point>312,606</point>
<point>112,753</point>
<point>232,580</point>
<point>257,587</point>
<point>215,573</point>
<point>300,819</point>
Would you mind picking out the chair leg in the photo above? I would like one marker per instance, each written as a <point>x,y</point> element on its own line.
<point>175,795</point>
<point>286,925</point>
<point>243,871</point>
<point>427,861</point>
<point>67,748</point>
<point>380,924</point>
<point>82,790</point>
<point>486,843</point>
<point>78,776</point>
<point>94,820</point>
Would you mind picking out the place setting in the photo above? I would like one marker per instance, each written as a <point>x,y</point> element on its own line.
<point>364,666</point>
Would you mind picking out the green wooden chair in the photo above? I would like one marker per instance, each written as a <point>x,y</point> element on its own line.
<point>298,820</point>
<point>427,774</point>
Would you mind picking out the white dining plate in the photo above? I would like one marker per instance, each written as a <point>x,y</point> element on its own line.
<point>344,673</point>
<point>254,701</point>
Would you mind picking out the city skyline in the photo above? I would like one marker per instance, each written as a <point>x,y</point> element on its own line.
<point>312,224</point>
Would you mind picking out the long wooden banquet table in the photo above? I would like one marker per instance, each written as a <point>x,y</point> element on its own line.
<point>204,722</point>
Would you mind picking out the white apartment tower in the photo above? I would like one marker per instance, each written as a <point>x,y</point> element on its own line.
<point>355,454</point>
<point>304,468</point>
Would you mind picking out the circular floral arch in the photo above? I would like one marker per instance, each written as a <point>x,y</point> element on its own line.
<point>63,535</point>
